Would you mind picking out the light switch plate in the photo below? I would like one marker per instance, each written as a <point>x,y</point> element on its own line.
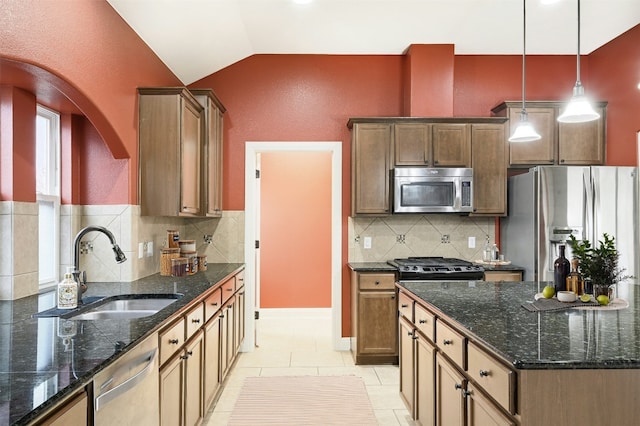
<point>140,250</point>
<point>150,249</point>
<point>472,242</point>
<point>367,242</point>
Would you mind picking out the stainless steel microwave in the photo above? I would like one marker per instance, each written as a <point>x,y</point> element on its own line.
<point>432,190</point>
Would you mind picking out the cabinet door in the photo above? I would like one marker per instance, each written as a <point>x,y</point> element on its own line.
<point>450,402</point>
<point>407,371</point>
<point>171,393</point>
<point>425,408</point>
<point>370,169</point>
<point>482,412</point>
<point>538,152</point>
<point>488,155</point>
<point>451,147</point>
<point>190,159</point>
<point>412,142</point>
<point>193,358</point>
<point>71,413</point>
<point>503,275</point>
<point>238,330</point>
<point>378,321</point>
<point>582,143</point>
<point>211,360</point>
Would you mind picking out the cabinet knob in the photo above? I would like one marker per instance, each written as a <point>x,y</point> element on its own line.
<point>458,386</point>
<point>484,373</point>
<point>422,321</point>
<point>435,162</point>
<point>377,282</point>
<point>393,297</point>
<point>174,341</point>
<point>466,393</point>
<point>195,321</point>
<point>447,342</point>
<point>562,160</point>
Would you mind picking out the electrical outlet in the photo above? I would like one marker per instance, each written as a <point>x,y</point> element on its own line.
<point>367,242</point>
<point>445,239</point>
<point>150,249</point>
<point>472,242</point>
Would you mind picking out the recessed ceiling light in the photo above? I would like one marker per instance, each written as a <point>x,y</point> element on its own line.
<point>549,1</point>
<point>302,1</point>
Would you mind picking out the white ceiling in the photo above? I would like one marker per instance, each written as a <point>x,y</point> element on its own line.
<point>195,38</point>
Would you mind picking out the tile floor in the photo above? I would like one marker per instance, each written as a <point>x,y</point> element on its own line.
<point>294,343</point>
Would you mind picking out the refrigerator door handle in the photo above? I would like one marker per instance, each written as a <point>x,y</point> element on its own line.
<point>588,209</point>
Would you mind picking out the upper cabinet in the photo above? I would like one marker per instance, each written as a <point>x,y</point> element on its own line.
<point>378,145</point>
<point>436,144</point>
<point>180,152</point>
<point>212,127</point>
<point>371,163</point>
<point>561,143</point>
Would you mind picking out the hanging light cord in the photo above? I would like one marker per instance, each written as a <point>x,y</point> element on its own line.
<point>524,50</point>
<point>578,60</point>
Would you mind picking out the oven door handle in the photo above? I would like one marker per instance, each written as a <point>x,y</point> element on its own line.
<point>124,387</point>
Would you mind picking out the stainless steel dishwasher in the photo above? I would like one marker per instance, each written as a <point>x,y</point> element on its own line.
<point>127,392</point>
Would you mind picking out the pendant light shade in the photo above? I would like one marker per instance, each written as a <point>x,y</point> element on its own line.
<point>524,131</point>
<point>578,110</point>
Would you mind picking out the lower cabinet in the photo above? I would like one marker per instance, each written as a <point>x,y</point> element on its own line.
<point>374,334</point>
<point>72,412</point>
<point>449,380</point>
<point>502,275</point>
<point>212,359</point>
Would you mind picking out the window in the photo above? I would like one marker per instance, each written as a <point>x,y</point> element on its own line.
<point>48,195</point>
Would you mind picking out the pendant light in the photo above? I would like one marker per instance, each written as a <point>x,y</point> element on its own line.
<point>524,131</point>
<point>578,109</point>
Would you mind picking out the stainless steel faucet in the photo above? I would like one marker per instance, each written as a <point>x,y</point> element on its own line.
<point>81,276</point>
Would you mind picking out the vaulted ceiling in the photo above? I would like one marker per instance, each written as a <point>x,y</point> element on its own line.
<point>195,38</point>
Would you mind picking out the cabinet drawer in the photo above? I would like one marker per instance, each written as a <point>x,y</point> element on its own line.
<point>377,281</point>
<point>405,306</point>
<point>425,321</point>
<point>502,275</point>
<point>496,379</point>
<point>195,320</point>
<point>171,339</point>
<point>239,280</point>
<point>228,288</point>
<point>212,303</point>
<point>451,343</point>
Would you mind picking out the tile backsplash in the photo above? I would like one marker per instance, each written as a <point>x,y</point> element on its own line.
<point>400,236</point>
<point>19,253</point>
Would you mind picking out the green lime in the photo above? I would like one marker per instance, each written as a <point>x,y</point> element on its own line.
<point>585,298</point>
<point>603,300</point>
<point>548,292</point>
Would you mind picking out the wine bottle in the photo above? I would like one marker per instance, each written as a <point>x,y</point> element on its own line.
<point>574,279</point>
<point>561,269</point>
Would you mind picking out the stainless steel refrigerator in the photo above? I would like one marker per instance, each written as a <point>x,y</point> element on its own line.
<point>549,203</point>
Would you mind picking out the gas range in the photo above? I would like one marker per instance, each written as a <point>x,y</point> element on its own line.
<point>436,269</point>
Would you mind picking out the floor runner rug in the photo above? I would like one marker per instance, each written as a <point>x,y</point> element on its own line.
<point>303,400</point>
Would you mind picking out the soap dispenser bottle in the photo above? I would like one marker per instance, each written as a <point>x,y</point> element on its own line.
<point>486,253</point>
<point>67,296</point>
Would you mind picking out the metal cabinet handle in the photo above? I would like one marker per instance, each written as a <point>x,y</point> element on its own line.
<point>404,306</point>
<point>195,320</point>
<point>127,385</point>
<point>484,373</point>
<point>174,341</point>
<point>447,342</point>
<point>422,321</point>
<point>214,303</point>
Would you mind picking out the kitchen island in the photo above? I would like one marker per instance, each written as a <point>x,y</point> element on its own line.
<point>572,366</point>
<point>42,362</point>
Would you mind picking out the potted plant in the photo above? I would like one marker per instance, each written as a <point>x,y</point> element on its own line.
<point>598,264</point>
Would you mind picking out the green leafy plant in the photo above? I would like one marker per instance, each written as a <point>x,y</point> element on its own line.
<point>599,264</point>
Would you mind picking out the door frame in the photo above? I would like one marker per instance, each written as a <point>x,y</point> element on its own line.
<point>252,149</point>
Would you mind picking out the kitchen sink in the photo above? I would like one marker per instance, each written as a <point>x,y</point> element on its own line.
<point>128,306</point>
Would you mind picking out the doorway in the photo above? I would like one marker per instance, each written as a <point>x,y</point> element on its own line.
<point>253,151</point>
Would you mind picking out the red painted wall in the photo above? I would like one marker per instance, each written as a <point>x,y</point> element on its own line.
<point>295,230</point>
<point>83,51</point>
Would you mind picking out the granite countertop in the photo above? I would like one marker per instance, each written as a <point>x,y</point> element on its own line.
<point>372,267</point>
<point>42,360</point>
<point>493,315</point>
<point>510,267</point>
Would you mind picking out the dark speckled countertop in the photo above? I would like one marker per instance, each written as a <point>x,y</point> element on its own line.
<point>42,360</point>
<point>493,315</point>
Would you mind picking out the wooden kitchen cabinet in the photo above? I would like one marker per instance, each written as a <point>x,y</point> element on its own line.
<point>489,163</point>
<point>436,145</point>
<point>450,399</point>
<point>212,131</point>
<point>452,381</point>
<point>502,275</point>
<point>371,165</point>
<point>170,150</point>
<point>561,143</point>
<point>212,359</point>
<point>73,411</point>
<point>374,333</point>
